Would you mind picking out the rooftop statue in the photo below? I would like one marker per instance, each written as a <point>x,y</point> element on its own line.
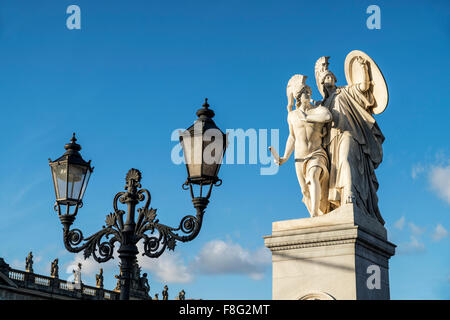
<point>144,283</point>
<point>99,279</point>
<point>165,293</point>
<point>54,270</point>
<point>29,262</point>
<point>77,275</point>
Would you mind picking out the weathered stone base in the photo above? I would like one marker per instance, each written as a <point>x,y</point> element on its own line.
<point>327,257</point>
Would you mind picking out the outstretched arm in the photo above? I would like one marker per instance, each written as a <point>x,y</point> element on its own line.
<point>320,115</point>
<point>364,85</point>
<point>290,143</point>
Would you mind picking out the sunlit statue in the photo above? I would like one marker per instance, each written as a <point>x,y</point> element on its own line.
<point>306,124</point>
<point>337,142</point>
<point>117,288</point>
<point>99,279</point>
<point>54,270</point>
<point>77,275</point>
<point>353,139</point>
<point>29,262</point>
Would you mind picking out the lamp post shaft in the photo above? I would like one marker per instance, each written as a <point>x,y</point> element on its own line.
<point>128,249</point>
<point>127,255</point>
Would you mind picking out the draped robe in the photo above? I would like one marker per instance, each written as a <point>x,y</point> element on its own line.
<point>354,144</point>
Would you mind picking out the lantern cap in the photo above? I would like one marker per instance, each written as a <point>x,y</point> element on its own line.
<point>72,154</point>
<point>204,121</point>
<point>205,112</point>
<point>73,146</point>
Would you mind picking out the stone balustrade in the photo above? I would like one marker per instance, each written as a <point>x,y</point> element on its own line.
<point>52,288</point>
<point>19,285</point>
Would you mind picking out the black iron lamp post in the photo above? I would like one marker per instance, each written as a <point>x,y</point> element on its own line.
<point>203,145</point>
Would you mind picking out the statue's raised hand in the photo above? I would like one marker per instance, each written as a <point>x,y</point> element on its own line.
<point>280,161</point>
<point>362,62</point>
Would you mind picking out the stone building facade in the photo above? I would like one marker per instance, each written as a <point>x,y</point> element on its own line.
<point>25,285</point>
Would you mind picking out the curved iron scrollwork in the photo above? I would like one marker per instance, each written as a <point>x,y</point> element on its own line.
<point>101,251</point>
<point>156,236</point>
<point>166,237</point>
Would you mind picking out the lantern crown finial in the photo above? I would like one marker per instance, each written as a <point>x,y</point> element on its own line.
<point>73,145</point>
<point>205,112</point>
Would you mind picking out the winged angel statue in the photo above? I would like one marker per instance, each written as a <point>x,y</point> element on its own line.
<point>352,139</point>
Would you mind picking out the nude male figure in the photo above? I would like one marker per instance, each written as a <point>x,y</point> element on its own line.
<point>306,124</point>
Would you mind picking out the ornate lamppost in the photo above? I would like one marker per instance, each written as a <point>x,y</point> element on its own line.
<point>203,146</point>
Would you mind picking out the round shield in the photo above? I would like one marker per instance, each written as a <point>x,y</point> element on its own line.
<point>354,74</point>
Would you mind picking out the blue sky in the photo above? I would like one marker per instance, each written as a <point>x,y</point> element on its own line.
<point>137,70</point>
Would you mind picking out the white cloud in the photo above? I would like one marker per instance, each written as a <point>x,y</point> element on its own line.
<point>413,246</point>
<point>439,178</point>
<point>89,267</point>
<point>25,190</point>
<point>220,257</point>
<point>399,224</point>
<point>16,264</point>
<point>168,268</point>
<point>216,257</point>
<point>439,233</point>
<point>416,170</point>
<point>416,230</point>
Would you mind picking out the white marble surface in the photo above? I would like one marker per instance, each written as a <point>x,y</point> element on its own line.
<point>328,256</point>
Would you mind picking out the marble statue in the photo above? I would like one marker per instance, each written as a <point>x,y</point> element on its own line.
<point>77,275</point>
<point>165,293</point>
<point>337,152</point>
<point>306,124</point>
<point>117,288</point>
<point>144,283</point>
<point>54,270</point>
<point>29,262</point>
<point>353,139</point>
<point>99,279</point>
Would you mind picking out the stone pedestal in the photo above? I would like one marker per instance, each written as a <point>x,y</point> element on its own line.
<point>341,255</point>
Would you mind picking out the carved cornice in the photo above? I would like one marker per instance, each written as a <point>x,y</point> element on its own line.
<point>375,244</point>
<point>297,244</point>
